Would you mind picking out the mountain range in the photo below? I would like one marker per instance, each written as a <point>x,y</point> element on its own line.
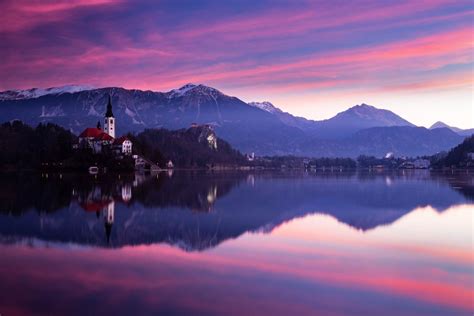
<point>462,132</point>
<point>258,127</point>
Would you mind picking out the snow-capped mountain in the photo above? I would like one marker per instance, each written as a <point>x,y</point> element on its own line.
<point>256,127</point>
<point>39,92</point>
<point>193,89</point>
<point>266,106</point>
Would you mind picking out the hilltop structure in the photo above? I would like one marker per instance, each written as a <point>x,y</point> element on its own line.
<point>99,140</point>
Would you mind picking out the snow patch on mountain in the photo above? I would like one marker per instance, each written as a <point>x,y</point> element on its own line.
<point>193,89</point>
<point>134,116</point>
<point>181,91</point>
<point>265,106</point>
<point>93,112</point>
<point>130,112</point>
<point>54,111</point>
<point>39,92</point>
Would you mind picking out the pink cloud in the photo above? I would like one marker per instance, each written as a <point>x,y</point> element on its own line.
<point>23,14</point>
<point>221,52</point>
<point>309,18</point>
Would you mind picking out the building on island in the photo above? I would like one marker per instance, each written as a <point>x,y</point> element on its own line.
<point>109,120</point>
<point>98,140</point>
<point>94,138</point>
<point>122,145</point>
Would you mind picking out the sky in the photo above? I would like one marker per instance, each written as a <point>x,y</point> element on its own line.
<point>310,58</point>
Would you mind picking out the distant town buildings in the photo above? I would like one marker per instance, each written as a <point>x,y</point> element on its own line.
<point>416,164</point>
<point>421,163</point>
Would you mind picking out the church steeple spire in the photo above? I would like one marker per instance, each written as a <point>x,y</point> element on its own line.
<point>109,120</point>
<point>109,109</point>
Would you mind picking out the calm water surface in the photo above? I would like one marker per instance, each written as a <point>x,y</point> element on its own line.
<point>237,244</point>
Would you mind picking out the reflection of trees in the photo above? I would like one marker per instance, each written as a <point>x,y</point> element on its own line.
<point>20,193</point>
<point>46,193</point>
<point>193,190</point>
<point>99,190</point>
<point>260,201</point>
<point>51,192</point>
<point>461,181</point>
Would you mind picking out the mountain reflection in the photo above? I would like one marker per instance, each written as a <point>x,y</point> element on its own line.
<point>199,210</point>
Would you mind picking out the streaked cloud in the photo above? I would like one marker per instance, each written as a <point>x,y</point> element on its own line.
<point>271,50</point>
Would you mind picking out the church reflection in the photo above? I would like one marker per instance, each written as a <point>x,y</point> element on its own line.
<point>199,210</point>
<point>103,203</point>
<point>102,196</point>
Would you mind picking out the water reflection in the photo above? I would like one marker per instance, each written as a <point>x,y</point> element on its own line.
<point>197,210</point>
<point>254,243</point>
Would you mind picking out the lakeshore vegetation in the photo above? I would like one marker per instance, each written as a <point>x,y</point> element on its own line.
<point>50,146</point>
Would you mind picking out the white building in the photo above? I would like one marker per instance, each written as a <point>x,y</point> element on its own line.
<point>123,145</point>
<point>94,138</point>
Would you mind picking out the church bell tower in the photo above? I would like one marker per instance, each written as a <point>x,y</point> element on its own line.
<point>109,121</point>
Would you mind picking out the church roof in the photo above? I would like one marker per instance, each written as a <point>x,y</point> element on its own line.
<point>91,132</point>
<point>96,133</point>
<point>104,136</point>
<point>120,140</point>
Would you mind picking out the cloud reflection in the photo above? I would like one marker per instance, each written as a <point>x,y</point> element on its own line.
<point>254,272</point>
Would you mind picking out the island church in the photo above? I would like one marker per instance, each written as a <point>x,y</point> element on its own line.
<point>98,139</point>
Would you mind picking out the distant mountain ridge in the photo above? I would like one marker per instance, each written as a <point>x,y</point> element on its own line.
<point>255,127</point>
<point>462,132</point>
<point>39,92</point>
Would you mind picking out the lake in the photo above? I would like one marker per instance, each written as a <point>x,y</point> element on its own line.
<point>237,243</point>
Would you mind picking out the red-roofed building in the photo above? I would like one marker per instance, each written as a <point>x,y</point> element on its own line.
<point>94,138</point>
<point>97,139</point>
<point>91,132</point>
